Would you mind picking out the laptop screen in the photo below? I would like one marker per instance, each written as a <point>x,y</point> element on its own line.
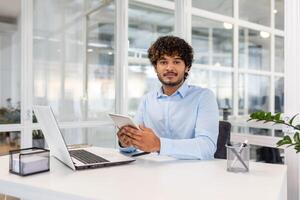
<point>53,136</point>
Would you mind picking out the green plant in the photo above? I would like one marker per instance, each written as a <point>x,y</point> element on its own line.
<point>276,119</point>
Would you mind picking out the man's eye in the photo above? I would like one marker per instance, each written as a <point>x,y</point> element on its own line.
<point>163,62</point>
<point>177,62</point>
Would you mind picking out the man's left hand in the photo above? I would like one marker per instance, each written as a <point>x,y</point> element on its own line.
<point>143,139</point>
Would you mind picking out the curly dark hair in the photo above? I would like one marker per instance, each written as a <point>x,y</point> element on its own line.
<point>171,46</point>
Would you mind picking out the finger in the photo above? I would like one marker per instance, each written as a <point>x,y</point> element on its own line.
<point>123,127</point>
<point>132,127</point>
<point>137,144</point>
<point>136,137</point>
<point>122,140</point>
<point>132,132</point>
<point>129,143</point>
<point>120,132</point>
<point>126,140</point>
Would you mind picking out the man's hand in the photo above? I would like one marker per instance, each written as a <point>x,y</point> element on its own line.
<point>124,140</point>
<point>143,139</point>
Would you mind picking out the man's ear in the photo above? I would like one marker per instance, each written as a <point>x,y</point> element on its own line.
<point>187,69</point>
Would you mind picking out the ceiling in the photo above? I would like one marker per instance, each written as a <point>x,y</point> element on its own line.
<point>10,8</point>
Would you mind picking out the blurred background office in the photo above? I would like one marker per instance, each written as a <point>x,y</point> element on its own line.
<point>86,58</point>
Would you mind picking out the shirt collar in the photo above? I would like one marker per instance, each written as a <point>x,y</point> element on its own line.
<point>182,91</point>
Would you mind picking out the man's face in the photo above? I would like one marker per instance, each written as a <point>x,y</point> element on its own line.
<point>170,70</point>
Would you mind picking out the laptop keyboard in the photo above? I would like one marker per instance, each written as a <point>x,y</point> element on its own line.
<point>86,157</point>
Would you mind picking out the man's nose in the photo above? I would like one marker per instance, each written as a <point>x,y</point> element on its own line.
<point>170,66</point>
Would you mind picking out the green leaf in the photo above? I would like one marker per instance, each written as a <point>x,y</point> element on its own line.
<point>262,115</point>
<point>253,115</point>
<point>268,116</point>
<point>291,121</point>
<point>285,140</point>
<point>277,116</point>
<point>297,147</point>
<point>279,121</point>
<point>298,126</point>
<point>288,138</point>
<point>296,137</point>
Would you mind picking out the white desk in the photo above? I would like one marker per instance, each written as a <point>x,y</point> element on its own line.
<point>150,177</point>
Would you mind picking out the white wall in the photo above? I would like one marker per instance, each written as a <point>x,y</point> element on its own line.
<point>292,87</point>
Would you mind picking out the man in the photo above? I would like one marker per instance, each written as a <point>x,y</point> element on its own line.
<point>177,120</point>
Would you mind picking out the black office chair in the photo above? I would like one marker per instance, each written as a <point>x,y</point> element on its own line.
<point>223,138</point>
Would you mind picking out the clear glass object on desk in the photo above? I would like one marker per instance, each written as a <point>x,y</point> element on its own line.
<point>238,157</point>
<point>29,161</point>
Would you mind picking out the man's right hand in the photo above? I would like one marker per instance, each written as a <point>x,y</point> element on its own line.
<point>124,140</point>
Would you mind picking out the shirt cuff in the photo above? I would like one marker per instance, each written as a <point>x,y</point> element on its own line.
<point>127,149</point>
<point>165,146</point>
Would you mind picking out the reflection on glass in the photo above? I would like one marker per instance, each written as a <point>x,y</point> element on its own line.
<point>254,131</point>
<point>212,42</point>
<point>59,67</point>
<point>74,8</point>
<point>10,73</point>
<point>266,154</point>
<point>279,94</point>
<point>254,49</point>
<point>256,11</point>
<point>100,57</point>
<point>38,139</point>
<point>278,133</point>
<point>279,54</point>
<point>9,141</point>
<point>279,14</point>
<point>146,24</point>
<point>141,79</point>
<point>241,93</point>
<point>219,82</point>
<point>100,137</point>
<point>142,32</point>
<point>224,7</point>
<point>92,4</point>
<point>254,93</point>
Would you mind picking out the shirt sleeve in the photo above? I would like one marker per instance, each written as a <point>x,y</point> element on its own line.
<point>203,146</point>
<point>139,120</point>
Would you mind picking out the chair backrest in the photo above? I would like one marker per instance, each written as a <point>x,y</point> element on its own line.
<point>223,138</point>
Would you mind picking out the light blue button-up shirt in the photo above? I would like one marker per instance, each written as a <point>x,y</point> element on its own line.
<point>187,122</point>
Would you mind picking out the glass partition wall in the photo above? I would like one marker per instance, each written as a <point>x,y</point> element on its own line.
<point>73,61</point>
<point>240,56</point>
<point>10,76</point>
<point>145,24</point>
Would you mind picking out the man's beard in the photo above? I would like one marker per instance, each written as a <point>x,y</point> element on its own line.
<point>172,84</point>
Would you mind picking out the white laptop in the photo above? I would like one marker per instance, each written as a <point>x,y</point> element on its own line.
<point>82,158</point>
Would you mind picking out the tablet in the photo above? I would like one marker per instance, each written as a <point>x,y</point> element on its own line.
<point>122,120</point>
